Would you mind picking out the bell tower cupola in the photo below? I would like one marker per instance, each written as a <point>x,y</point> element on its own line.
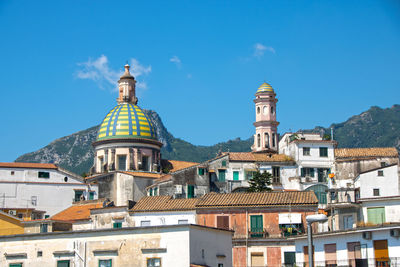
<point>266,136</point>
<point>127,88</point>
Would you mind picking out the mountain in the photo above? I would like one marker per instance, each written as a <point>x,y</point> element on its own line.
<point>75,152</point>
<point>375,127</point>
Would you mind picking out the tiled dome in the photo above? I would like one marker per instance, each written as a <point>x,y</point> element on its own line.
<point>126,121</point>
<point>265,87</point>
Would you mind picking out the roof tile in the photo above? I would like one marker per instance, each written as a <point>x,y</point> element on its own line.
<point>77,212</point>
<point>28,165</point>
<point>164,203</point>
<point>342,153</point>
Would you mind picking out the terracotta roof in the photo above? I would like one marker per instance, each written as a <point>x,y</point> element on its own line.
<point>263,199</point>
<point>28,165</point>
<point>341,153</point>
<point>164,203</point>
<point>144,174</point>
<point>176,165</point>
<point>77,212</point>
<point>259,157</point>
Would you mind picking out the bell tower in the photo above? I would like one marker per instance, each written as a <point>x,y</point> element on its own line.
<point>127,87</point>
<point>266,137</point>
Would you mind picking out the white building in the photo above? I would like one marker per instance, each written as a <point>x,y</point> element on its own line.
<point>172,245</point>
<point>44,187</point>
<point>164,210</point>
<point>370,246</point>
<point>378,182</point>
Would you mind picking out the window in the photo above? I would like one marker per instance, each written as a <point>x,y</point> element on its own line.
<point>155,191</point>
<point>220,265</point>
<point>79,195</point>
<point>276,175</point>
<point>223,163</point>
<point>65,179</point>
<point>145,163</point>
<point>43,175</point>
<point>63,263</point>
<point>40,253</point>
<point>12,172</point>
<point>150,191</point>
<point>258,140</point>
<point>154,262</point>
<point>15,265</point>
<point>43,228</point>
<point>223,222</point>
<point>307,172</point>
<point>320,192</point>
<point>121,162</point>
<point>272,110</point>
<point>20,215</point>
<point>347,222</point>
<point>91,195</point>
<point>273,139</point>
<point>236,175</point>
<point>376,192</point>
<point>117,225</point>
<point>306,151</point>
<point>249,174</point>
<point>376,215</point>
<point>221,175</point>
<point>201,171</point>
<point>105,263</point>
<point>183,221</point>
<point>265,110</point>
<point>380,173</point>
<point>258,110</point>
<point>190,191</point>
<point>383,164</point>
<point>256,225</point>
<point>266,137</point>
<point>144,223</point>
<point>323,174</point>
<point>323,152</point>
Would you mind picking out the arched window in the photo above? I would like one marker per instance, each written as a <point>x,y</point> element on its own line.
<point>320,192</point>
<point>266,136</point>
<point>272,110</point>
<point>258,140</point>
<point>265,110</point>
<point>258,110</point>
<point>273,139</point>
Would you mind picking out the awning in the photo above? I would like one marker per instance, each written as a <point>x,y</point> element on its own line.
<point>211,171</point>
<point>289,218</point>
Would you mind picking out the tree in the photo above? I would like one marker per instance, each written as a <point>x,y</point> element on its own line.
<point>260,182</point>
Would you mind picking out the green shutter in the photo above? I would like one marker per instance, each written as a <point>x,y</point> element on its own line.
<point>376,215</point>
<point>117,225</point>
<point>190,189</point>
<point>63,263</point>
<point>236,176</point>
<point>105,263</point>
<point>201,171</point>
<point>91,195</point>
<point>302,172</point>
<point>290,258</point>
<point>312,172</point>
<point>151,191</point>
<point>221,175</point>
<point>223,163</point>
<point>15,265</point>
<point>256,225</point>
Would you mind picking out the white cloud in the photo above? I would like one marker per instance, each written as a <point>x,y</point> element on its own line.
<point>98,70</point>
<point>176,60</point>
<point>259,50</point>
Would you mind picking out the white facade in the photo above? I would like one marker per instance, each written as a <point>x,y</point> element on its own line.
<point>342,240</point>
<point>154,218</point>
<point>391,207</point>
<point>177,245</point>
<point>382,182</point>
<point>45,189</point>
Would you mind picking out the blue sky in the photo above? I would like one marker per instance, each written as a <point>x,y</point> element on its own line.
<point>198,64</point>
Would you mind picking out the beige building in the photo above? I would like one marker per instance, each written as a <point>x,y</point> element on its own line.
<point>173,245</point>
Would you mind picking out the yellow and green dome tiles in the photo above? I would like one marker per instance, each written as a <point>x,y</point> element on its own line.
<point>126,121</point>
<point>265,87</point>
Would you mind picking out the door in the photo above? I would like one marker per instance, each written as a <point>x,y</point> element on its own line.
<point>347,222</point>
<point>256,224</point>
<point>330,255</point>
<point>257,259</point>
<point>353,253</point>
<point>376,215</point>
<point>236,176</point>
<point>381,253</point>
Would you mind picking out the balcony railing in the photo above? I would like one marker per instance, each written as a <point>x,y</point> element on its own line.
<point>258,233</point>
<point>368,262</point>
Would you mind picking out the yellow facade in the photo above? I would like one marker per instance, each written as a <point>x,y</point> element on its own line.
<point>10,225</point>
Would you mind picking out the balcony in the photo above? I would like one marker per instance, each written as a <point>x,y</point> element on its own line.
<point>342,198</point>
<point>258,233</point>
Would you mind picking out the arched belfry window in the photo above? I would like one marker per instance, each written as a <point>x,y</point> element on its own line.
<point>258,140</point>
<point>258,110</point>
<point>265,110</point>
<point>273,139</point>
<point>266,136</point>
<point>272,110</point>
